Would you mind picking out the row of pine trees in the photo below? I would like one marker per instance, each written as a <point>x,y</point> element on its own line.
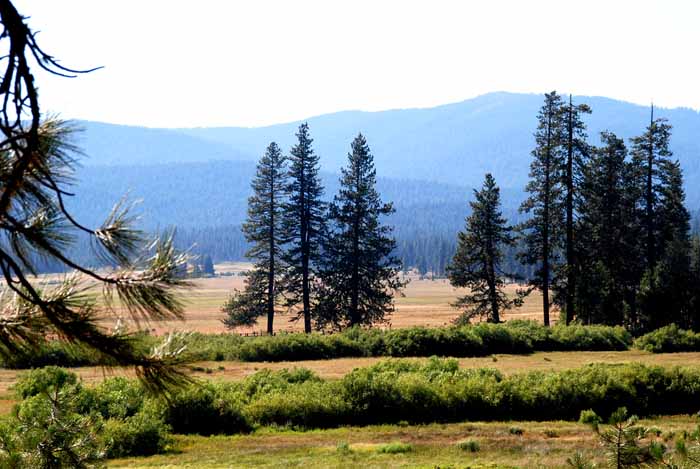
<point>606,235</point>
<point>332,263</point>
<point>607,230</point>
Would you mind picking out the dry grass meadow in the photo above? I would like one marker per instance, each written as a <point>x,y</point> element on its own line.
<point>425,302</point>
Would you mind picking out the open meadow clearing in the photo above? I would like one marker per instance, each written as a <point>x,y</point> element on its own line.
<point>425,302</point>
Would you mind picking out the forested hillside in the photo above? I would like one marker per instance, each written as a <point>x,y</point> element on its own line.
<point>458,143</point>
<point>207,203</point>
<point>455,143</point>
<point>427,162</point>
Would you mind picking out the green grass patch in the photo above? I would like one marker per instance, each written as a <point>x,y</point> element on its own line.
<point>395,448</point>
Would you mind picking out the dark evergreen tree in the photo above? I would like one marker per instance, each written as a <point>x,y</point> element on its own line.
<point>650,154</point>
<point>263,232</point>
<point>243,308</point>
<point>359,273</point>
<point>477,264</point>
<point>666,226</point>
<point>208,265</point>
<point>666,288</point>
<point>608,254</point>
<point>577,149</point>
<point>303,224</point>
<point>693,320</point>
<point>542,232</point>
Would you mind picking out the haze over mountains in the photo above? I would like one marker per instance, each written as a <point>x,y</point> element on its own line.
<point>424,157</point>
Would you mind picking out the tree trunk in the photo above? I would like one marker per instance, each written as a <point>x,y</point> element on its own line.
<point>271,273</point>
<point>651,257</point>
<point>355,280</point>
<point>545,222</point>
<point>570,269</point>
<point>305,249</point>
<point>493,294</point>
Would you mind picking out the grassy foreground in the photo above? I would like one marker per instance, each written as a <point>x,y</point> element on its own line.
<point>540,445</point>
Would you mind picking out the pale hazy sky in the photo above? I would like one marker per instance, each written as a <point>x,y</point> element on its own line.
<point>175,63</point>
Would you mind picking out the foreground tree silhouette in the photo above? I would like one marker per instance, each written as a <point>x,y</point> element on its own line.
<point>263,231</point>
<point>37,161</point>
<point>477,262</point>
<point>302,224</point>
<point>359,274</point>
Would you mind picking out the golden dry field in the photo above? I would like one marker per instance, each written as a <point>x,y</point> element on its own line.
<point>425,302</point>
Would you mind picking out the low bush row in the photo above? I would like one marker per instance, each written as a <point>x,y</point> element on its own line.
<point>476,340</point>
<point>515,337</point>
<point>391,391</point>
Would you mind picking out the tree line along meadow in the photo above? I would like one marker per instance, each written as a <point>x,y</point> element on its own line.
<point>606,236</point>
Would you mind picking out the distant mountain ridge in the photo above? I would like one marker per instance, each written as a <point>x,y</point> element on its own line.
<point>427,162</point>
<point>451,144</point>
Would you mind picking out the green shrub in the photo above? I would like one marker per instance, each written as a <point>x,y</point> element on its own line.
<point>112,419</point>
<point>669,339</point>
<point>211,347</point>
<point>305,405</point>
<point>471,446</point>
<point>59,353</point>
<point>46,428</point>
<point>475,340</point>
<point>140,435</point>
<point>205,410</point>
<point>395,448</point>
<point>115,397</point>
<point>392,391</point>
<point>588,338</point>
<point>43,380</point>
<point>589,417</point>
<point>295,347</point>
<point>515,431</point>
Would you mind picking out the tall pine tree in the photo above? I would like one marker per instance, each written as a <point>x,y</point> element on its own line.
<point>577,150</point>
<point>359,273</point>
<point>477,264</point>
<point>606,234</point>
<point>650,154</point>
<point>665,292</point>
<point>665,223</point>
<point>542,232</point>
<point>303,222</point>
<point>263,231</point>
